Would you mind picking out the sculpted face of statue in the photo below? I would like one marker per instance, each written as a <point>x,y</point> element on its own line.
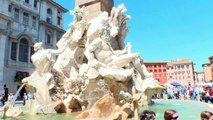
<point>78,16</point>
<point>38,46</point>
<point>78,13</point>
<point>105,33</point>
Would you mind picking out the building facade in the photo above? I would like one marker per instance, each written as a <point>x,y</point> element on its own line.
<point>181,70</point>
<point>199,76</point>
<point>207,72</point>
<point>211,65</point>
<point>159,70</point>
<point>23,23</point>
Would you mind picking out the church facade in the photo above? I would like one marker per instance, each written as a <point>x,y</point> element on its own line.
<point>23,23</point>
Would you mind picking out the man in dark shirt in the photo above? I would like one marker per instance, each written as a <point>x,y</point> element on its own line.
<point>6,91</point>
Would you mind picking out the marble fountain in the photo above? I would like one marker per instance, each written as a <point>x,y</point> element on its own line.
<point>91,75</point>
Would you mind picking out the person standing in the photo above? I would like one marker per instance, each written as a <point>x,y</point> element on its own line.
<point>176,93</point>
<point>197,92</point>
<point>6,92</point>
<point>10,97</point>
<point>183,92</point>
<point>3,99</point>
<point>25,98</point>
<point>211,95</point>
<point>191,91</point>
<point>207,96</point>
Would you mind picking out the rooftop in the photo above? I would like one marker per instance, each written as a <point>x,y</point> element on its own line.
<point>157,62</point>
<point>180,61</point>
<point>57,5</point>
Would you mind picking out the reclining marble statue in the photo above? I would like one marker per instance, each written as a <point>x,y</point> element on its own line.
<point>92,70</point>
<point>100,54</point>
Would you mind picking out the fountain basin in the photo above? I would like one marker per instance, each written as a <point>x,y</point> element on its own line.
<point>187,109</point>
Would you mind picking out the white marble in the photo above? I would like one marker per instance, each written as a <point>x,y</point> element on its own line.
<point>92,67</point>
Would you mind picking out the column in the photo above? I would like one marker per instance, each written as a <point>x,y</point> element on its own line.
<point>3,39</point>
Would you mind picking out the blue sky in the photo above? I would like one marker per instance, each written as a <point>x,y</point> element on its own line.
<point>162,30</point>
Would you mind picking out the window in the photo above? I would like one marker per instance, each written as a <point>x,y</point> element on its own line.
<point>187,66</point>
<point>59,12</point>
<point>155,70</point>
<point>48,39</point>
<point>34,21</point>
<point>182,66</point>
<point>35,3</point>
<point>164,70</point>
<point>150,70</point>
<point>155,66</point>
<point>23,50</point>
<point>59,20</point>
<point>27,1</point>
<point>9,7</point>
<point>25,18</point>
<point>159,70</point>
<point>16,14</point>
<point>188,72</point>
<point>58,36</point>
<point>49,16</point>
<point>13,51</point>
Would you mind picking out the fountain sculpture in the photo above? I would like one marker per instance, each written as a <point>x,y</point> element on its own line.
<point>93,72</point>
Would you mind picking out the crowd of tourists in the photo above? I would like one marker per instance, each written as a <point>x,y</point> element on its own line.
<point>197,92</point>
<point>171,114</point>
<point>8,97</point>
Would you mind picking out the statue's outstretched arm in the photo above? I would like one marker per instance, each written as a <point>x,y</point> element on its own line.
<point>60,50</point>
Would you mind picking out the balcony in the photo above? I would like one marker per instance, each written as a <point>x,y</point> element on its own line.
<point>20,64</point>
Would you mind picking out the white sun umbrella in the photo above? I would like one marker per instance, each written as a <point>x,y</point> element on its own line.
<point>168,85</point>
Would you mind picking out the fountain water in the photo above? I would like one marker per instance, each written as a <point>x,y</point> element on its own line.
<point>10,106</point>
<point>16,95</point>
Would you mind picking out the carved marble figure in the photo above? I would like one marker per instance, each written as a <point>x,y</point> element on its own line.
<point>92,70</point>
